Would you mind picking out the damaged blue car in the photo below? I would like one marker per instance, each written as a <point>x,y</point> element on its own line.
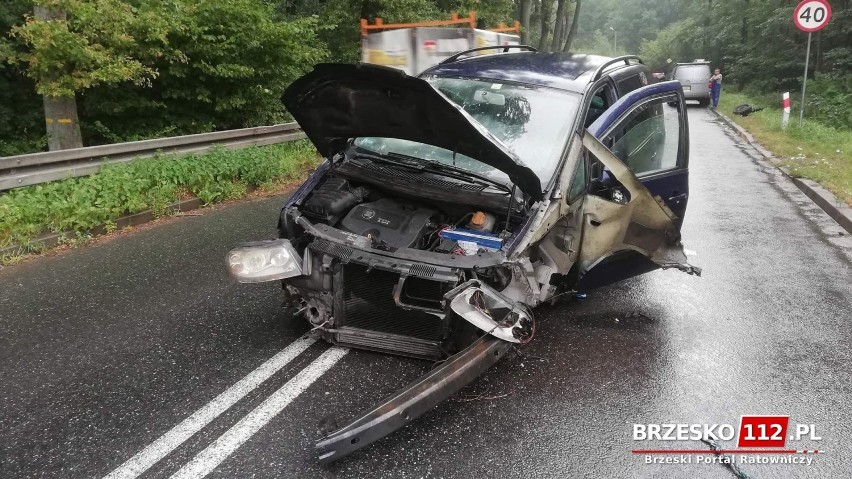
<point>451,204</point>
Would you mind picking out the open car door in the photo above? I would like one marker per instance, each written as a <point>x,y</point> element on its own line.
<point>638,155</point>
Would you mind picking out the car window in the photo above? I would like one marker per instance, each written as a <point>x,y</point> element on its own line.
<point>692,72</point>
<point>532,122</point>
<point>578,183</point>
<point>647,140</point>
<point>598,104</point>
<point>629,84</point>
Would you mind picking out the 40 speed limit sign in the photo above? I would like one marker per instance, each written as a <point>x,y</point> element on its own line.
<point>812,15</point>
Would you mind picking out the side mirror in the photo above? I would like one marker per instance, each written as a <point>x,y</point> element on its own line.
<point>609,189</point>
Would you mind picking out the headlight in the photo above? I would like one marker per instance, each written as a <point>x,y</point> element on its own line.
<point>264,261</point>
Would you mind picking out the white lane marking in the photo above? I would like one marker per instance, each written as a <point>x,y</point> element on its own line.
<point>176,436</point>
<point>208,459</point>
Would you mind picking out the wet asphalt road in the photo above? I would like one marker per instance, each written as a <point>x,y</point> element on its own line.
<point>107,347</point>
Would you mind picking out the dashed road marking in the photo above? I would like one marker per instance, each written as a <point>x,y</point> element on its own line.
<point>177,435</point>
<point>208,459</point>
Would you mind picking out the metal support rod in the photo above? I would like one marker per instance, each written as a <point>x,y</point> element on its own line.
<point>805,80</point>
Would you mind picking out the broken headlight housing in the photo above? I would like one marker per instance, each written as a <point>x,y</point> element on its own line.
<point>492,312</point>
<point>264,261</point>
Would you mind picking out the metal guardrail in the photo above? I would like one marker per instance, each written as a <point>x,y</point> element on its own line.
<point>35,168</point>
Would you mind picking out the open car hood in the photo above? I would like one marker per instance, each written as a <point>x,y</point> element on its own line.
<point>336,102</point>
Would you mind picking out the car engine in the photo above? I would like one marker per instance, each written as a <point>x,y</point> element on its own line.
<point>392,223</point>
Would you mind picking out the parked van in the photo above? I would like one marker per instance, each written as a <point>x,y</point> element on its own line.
<point>694,77</point>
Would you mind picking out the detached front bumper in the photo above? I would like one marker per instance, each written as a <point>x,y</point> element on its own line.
<point>418,398</point>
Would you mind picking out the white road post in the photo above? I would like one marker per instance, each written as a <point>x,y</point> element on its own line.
<point>785,103</point>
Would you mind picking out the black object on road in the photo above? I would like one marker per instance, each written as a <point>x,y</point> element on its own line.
<point>745,109</point>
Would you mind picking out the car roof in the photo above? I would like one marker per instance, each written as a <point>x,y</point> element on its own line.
<point>562,70</point>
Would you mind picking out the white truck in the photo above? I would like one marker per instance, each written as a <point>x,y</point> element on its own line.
<point>415,49</point>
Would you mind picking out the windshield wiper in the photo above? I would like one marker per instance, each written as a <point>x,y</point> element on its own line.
<point>447,170</point>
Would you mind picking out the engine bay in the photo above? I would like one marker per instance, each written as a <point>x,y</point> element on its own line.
<point>391,221</point>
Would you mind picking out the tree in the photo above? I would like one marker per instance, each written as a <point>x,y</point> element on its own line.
<point>524,14</point>
<point>60,111</point>
<point>147,68</point>
<point>74,45</point>
<point>558,26</point>
<point>546,10</point>
<point>575,23</point>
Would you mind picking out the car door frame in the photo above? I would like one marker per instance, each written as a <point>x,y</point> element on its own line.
<point>671,184</point>
<point>615,259</point>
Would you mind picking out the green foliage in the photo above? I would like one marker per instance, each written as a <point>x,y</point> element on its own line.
<point>812,150</point>
<point>754,42</point>
<point>22,127</point>
<point>79,204</point>
<point>674,42</point>
<point>101,44</point>
<point>491,12</point>
<point>227,66</point>
<point>150,68</point>
<point>830,99</point>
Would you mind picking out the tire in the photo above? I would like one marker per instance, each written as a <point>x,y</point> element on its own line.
<point>704,102</point>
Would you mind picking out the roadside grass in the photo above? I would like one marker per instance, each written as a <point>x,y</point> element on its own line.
<point>812,151</point>
<point>76,205</point>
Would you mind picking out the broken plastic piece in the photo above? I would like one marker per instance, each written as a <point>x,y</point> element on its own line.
<point>492,312</point>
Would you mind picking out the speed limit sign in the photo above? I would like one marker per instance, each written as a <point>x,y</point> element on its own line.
<point>812,15</point>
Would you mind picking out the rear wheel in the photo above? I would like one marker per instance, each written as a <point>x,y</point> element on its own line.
<point>704,102</point>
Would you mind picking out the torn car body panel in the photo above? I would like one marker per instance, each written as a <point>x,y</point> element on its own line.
<point>644,224</point>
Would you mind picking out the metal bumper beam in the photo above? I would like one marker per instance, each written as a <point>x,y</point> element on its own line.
<point>412,402</point>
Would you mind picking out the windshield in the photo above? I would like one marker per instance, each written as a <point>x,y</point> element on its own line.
<point>531,122</point>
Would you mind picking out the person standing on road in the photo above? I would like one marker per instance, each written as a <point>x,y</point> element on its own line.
<point>715,87</point>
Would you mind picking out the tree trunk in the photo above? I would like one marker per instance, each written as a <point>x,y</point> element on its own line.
<point>546,8</point>
<point>564,32</point>
<point>524,12</point>
<point>572,33</point>
<point>557,26</point>
<point>60,113</point>
<point>63,126</point>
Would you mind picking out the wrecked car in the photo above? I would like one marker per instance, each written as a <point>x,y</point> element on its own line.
<point>451,204</point>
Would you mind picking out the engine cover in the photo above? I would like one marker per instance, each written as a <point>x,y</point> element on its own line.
<point>330,200</point>
<point>398,224</point>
